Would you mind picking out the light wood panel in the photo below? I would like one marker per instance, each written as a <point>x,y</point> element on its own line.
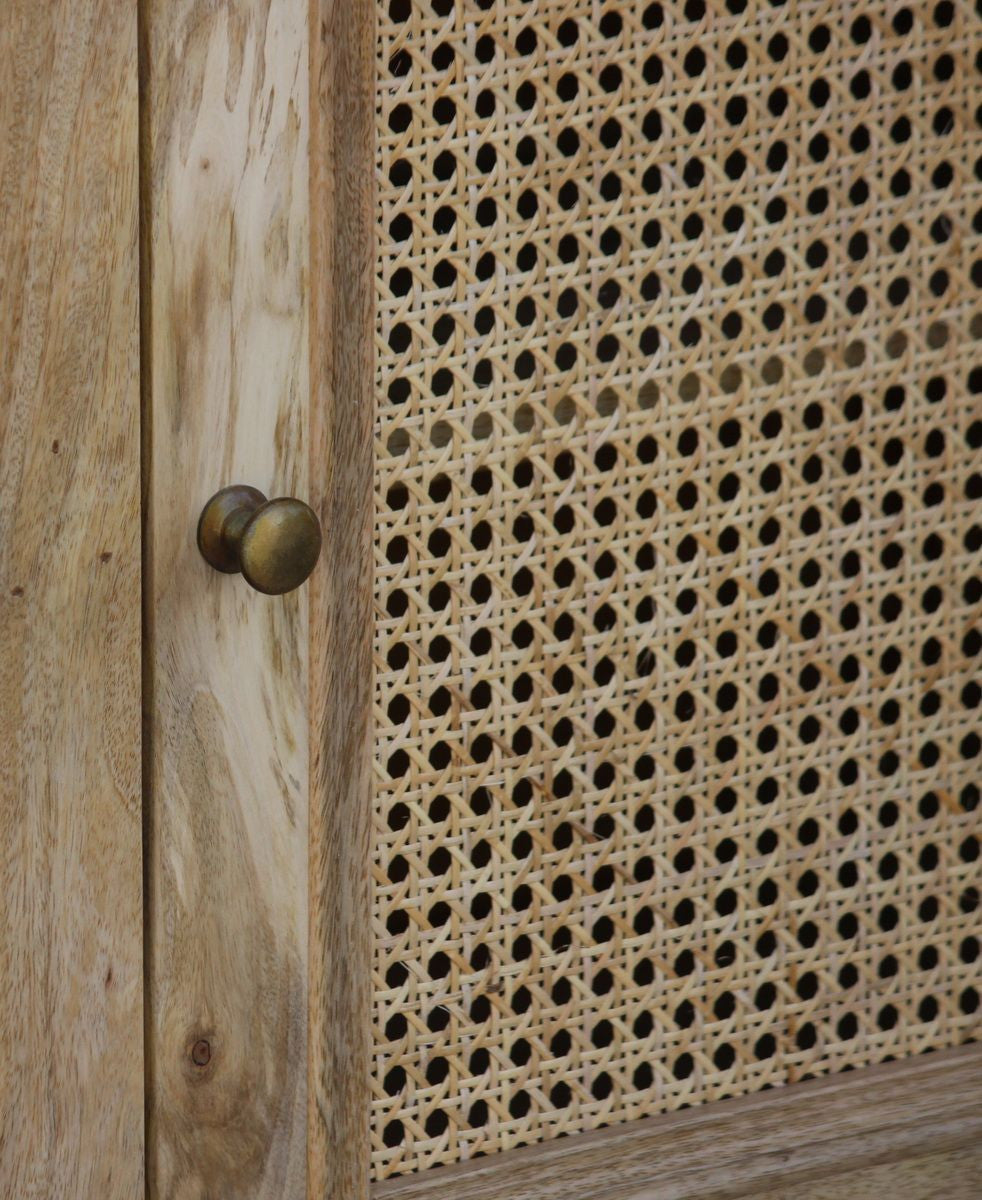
<point>341,615</point>
<point>776,1139</point>
<point>71,1016</point>
<point>226,198</point>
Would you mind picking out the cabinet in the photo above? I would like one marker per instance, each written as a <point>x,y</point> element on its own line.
<point>600,818</point>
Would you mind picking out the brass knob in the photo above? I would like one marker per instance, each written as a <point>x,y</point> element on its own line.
<point>274,543</point>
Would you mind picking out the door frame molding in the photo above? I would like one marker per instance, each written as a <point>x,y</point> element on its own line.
<point>341,611</point>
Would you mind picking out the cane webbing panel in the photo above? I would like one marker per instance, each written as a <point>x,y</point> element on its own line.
<point>678,556</point>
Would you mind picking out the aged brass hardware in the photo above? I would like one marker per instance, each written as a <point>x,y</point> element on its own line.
<point>274,543</point>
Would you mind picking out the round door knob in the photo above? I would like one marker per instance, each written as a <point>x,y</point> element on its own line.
<point>274,543</point>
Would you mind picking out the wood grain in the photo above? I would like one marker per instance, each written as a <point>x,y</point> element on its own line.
<point>734,1148</point>
<point>343,220</point>
<point>951,1175</point>
<point>225,139</point>
<point>71,1015</point>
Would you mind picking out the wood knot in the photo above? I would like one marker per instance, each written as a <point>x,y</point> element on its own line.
<point>201,1052</point>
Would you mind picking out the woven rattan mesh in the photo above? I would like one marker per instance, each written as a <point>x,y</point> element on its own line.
<point>678,555</point>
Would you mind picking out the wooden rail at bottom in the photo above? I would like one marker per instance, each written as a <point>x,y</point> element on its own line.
<point>738,1148</point>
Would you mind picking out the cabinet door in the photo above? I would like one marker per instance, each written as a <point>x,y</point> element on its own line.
<point>258,171</point>
<point>670,800</point>
<point>71,916</point>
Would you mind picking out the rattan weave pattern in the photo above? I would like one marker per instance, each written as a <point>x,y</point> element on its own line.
<point>678,555</point>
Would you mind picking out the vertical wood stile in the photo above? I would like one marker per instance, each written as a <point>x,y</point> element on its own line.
<point>225,134</point>
<point>341,615</point>
<point>71,1017</point>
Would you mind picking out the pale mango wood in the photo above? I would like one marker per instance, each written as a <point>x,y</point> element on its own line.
<point>343,218</point>
<point>71,1007</point>
<point>226,201</point>
<point>950,1175</point>
<point>781,1138</point>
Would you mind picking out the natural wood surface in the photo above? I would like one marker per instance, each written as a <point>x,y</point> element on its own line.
<point>951,1175</point>
<point>777,1139</point>
<point>71,1016</point>
<point>341,616</point>
<point>226,344</point>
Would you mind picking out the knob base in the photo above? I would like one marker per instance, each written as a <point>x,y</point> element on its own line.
<point>219,533</point>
